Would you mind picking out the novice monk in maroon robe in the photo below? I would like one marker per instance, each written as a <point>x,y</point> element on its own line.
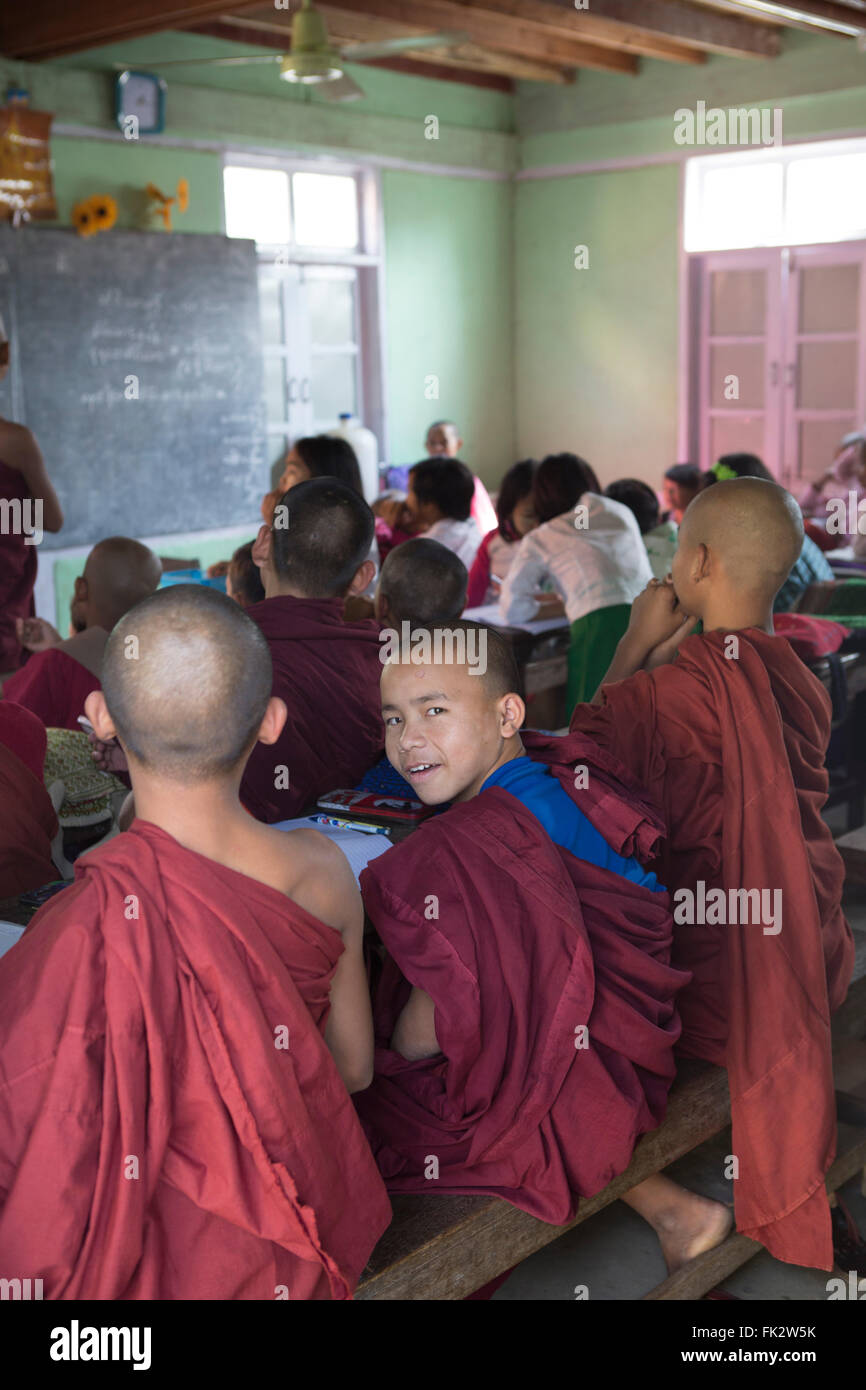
<point>182,1027</point>
<point>33,508</point>
<point>28,821</point>
<point>60,674</point>
<point>525,1022</point>
<point>326,670</point>
<point>730,740</point>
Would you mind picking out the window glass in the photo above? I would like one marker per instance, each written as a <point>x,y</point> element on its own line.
<point>326,210</point>
<point>257,203</point>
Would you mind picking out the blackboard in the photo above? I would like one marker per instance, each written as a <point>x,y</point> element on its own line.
<point>179,314</point>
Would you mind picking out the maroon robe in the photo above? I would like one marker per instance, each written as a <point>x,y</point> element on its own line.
<point>733,749</point>
<point>54,686</point>
<point>328,672</point>
<point>157,1142</point>
<point>28,821</point>
<point>17,574</point>
<point>520,945</point>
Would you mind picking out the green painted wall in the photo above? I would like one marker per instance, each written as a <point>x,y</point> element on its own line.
<point>448,294</point>
<point>596,348</point>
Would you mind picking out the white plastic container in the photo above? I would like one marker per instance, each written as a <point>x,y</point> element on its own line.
<point>366,447</point>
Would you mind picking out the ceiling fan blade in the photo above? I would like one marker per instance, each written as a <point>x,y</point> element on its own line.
<point>341,89</point>
<point>212,62</point>
<point>387,48</point>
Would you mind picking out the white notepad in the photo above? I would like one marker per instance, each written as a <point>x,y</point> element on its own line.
<point>358,848</point>
<point>488,613</point>
<point>9,934</point>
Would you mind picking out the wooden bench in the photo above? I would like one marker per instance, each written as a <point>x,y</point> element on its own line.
<point>444,1248</point>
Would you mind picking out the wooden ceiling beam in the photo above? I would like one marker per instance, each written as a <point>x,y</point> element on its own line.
<point>53,28</point>
<point>469,57</point>
<point>608,21</point>
<point>442,72</point>
<point>566,20</point>
<point>499,32</point>
<point>815,16</point>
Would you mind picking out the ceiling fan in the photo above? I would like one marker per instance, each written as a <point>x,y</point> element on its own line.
<point>314,61</point>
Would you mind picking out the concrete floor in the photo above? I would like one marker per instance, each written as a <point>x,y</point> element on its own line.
<point>617,1256</point>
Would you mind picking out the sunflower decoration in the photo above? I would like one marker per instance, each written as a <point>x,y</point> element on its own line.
<point>95,214</point>
<point>161,204</point>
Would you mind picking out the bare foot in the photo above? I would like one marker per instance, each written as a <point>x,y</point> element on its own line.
<point>695,1225</point>
<point>685,1223</point>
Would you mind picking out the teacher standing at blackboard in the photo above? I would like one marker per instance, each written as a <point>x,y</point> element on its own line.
<point>28,506</point>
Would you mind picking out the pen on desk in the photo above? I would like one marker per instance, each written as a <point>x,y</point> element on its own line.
<point>349,825</point>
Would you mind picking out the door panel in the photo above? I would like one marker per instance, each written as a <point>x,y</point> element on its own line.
<point>781,345</point>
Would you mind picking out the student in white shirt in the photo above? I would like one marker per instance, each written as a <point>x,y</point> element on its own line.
<point>439,503</point>
<point>589,549</point>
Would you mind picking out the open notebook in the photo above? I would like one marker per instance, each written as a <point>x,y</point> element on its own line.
<point>358,848</point>
<point>9,934</point>
<point>489,613</point>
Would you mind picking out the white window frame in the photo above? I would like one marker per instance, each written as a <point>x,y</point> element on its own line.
<point>696,166</point>
<point>367,258</point>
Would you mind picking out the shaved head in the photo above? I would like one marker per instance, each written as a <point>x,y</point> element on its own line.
<point>423,581</point>
<point>187,678</point>
<point>753,527</point>
<point>120,573</point>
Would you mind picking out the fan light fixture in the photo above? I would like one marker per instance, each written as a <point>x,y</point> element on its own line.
<point>312,59</point>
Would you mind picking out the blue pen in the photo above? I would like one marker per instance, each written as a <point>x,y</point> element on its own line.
<point>349,825</point>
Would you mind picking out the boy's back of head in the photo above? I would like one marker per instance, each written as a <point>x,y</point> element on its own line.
<point>446,483</point>
<point>118,573</point>
<point>752,531</point>
<point>187,678</point>
<point>421,581</point>
<point>243,580</point>
<point>640,500</point>
<point>560,482</point>
<point>322,533</point>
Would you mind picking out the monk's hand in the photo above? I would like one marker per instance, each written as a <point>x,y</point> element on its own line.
<point>107,754</point>
<point>36,635</point>
<point>656,617</point>
<point>667,650</point>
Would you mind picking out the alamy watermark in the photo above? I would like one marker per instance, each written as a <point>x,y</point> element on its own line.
<point>740,125</point>
<point>441,646</point>
<point>22,518</point>
<point>716,907</point>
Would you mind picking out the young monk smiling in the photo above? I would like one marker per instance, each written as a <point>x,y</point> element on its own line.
<point>525,1021</point>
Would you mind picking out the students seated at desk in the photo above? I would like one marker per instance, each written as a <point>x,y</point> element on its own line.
<point>727,732</point>
<point>589,549</point>
<point>443,441</point>
<point>515,511</point>
<point>326,670</point>
<point>438,506</point>
<point>525,1020</point>
<point>28,822</point>
<point>182,1027</point>
<point>421,581</point>
<point>60,674</point>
